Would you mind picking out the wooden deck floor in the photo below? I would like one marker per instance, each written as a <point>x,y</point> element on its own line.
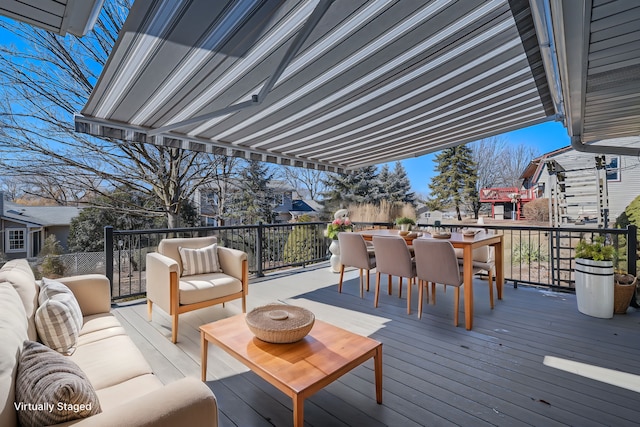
<point>434,373</point>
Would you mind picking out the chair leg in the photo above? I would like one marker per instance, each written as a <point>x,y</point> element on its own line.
<point>149,308</point>
<point>341,276</point>
<point>433,293</point>
<point>420,296</point>
<point>491,289</point>
<point>174,328</point>
<point>361,285</point>
<point>456,308</point>
<point>368,271</point>
<point>409,284</point>
<point>426,288</point>
<point>389,284</point>
<point>375,299</point>
<point>400,287</point>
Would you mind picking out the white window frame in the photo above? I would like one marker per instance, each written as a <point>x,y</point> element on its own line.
<point>8,239</point>
<point>614,174</point>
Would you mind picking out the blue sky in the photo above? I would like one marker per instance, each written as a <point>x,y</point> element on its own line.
<point>544,137</point>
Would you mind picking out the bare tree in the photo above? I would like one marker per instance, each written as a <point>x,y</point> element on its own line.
<point>222,185</point>
<point>501,164</point>
<point>487,153</point>
<point>307,182</point>
<point>514,160</point>
<point>48,78</point>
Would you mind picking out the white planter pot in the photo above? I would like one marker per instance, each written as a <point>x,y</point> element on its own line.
<point>405,227</point>
<point>594,287</point>
<point>334,261</point>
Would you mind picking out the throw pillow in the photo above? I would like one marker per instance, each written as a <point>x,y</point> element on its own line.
<point>58,317</point>
<point>200,261</point>
<point>51,388</point>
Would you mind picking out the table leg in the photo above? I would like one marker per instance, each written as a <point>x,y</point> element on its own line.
<point>298,411</point>
<point>377,362</point>
<point>499,268</point>
<point>204,347</point>
<point>468,286</point>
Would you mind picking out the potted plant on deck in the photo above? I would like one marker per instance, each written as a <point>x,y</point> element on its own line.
<point>405,223</point>
<point>594,277</point>
<point>624,290</point>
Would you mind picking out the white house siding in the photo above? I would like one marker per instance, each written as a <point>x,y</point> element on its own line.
<point>621,192</point>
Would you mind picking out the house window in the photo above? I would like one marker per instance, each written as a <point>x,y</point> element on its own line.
<point>16,240</point>
<point>613,169</point>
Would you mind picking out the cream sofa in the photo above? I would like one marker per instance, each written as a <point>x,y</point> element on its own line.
<point>128,391</point>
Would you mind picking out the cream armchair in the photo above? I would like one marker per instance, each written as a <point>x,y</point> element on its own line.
<point>176,293</point>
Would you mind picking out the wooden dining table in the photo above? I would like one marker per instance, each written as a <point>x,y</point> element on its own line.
<point>467,244</point>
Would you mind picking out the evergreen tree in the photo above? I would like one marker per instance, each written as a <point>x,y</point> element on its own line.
<point>364,186</point>
<point>86,233</point>
<point>360,186</point>
<point>384,177</point>
<point>52,265</point>
<point>399,186</point>
<point>455,184</point>
<point>254,200</point>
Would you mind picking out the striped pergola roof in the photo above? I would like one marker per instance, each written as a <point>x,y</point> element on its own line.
<point>329,85</point>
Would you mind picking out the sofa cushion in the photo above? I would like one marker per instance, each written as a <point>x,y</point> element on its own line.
<point>51,388</point>
<point>19,274</point>
<point>116,395</point>
<point>124,361</point>
<point>206,287</point>
<point>58,318</point>
<point>199,261</point>
<point>98,327</point>
<point>13,332</point>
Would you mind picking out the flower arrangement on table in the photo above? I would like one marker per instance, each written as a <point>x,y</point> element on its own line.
<point>338,225</point>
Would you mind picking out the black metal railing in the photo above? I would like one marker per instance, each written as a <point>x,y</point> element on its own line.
<point>546,255</point>
<point>268,247</point>
<point>541,256</point>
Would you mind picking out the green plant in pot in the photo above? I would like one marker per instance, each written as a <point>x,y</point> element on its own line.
<point>594,277</point>
<point>405,223</point>
<point>596,250</point>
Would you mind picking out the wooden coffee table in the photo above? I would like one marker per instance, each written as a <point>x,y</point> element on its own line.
<point>299,369</point>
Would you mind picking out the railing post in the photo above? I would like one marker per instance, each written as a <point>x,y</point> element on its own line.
<point>108,252</point>
<point>632,245</point>
<point>259,238</point>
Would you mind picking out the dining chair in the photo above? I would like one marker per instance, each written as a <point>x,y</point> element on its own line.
<point>436,262</point>
<point>393,258</point>
<point>483,260</point>
<point>354,252</point>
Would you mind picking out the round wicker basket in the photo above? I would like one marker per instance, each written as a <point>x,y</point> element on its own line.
<point>280,323</point>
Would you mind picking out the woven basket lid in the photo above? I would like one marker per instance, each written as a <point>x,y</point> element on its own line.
<point>280,323</point>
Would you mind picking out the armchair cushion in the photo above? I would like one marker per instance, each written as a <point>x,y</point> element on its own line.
<point>204,287</point>
<point>47,377</point>
<point>58,318</point>
<point>200,261</point>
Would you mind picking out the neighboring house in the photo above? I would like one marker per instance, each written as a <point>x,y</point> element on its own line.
<point>284,205</point>
<point>23,229</point>
<point>292,209</point>
<point>590,188</point>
